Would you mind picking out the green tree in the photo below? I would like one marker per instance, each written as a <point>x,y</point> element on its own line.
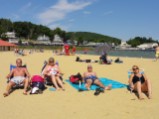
<point>5,26</point>
<point>140,40</point>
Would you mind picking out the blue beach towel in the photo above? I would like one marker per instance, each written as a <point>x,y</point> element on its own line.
<point>105,81</point>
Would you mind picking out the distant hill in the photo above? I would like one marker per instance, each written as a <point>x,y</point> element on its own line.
<point>92,37</point>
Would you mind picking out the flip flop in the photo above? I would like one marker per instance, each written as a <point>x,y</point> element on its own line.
<point>97,92</point>
<point>81,90</point>
<point>52,89</point>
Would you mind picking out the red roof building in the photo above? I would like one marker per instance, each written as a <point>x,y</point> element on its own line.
<point>6,46</point>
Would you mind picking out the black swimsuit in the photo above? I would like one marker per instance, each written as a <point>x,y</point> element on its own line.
<point>136,79</point>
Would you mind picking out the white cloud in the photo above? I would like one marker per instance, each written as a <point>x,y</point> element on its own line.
<point>60,10</point>
<point>63,27</point>
<point>108,13</point>
<point>71,20</point>
<point>87,12</point>
<point>25,7</point>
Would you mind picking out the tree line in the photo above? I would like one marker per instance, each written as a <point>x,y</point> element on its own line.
<point>28,30</point>
<point>140,40</point>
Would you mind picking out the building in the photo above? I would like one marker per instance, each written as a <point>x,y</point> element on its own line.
<point>124,45</point>
<point>6,46</point>
<point>57,40</point>
<point>147,46</point>
<point>43,40</point>
<point>12,37</point>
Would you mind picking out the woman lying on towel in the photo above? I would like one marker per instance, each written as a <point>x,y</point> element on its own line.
<point>53,71</point>
<point>139,82</point>
<point>90,78</point>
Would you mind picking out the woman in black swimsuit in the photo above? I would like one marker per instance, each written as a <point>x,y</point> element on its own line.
<point>139,82</point>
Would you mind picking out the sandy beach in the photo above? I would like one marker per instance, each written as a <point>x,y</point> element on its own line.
<point>71,104</point>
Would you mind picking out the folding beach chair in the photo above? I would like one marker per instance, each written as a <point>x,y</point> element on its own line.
<point>130,72</point>
<point>48,79</point>
<point>17,85</point>
<point>141,70</point>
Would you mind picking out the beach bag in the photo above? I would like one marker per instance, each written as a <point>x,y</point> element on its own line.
<point>37,78</point>
<point>75,78</point>
<point>37,84</point>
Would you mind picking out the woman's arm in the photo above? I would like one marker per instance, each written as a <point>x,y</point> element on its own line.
<point>131,85</point>
<point>45,71</point>
<point>145,77</point>
<point>131,78</point>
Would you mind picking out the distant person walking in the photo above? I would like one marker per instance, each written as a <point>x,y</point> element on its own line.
<point>73,50</point>
<point>157,52</point>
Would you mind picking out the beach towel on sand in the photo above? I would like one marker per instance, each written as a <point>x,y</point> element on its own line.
<point>105,81</point>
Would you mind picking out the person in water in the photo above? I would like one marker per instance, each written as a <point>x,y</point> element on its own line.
<point>140,83</point>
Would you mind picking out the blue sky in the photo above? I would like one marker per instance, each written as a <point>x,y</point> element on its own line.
<point>123,19</point>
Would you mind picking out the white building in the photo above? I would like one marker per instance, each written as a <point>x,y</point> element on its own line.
<point>11,37</point>
<point>57,40</point>
<point>43,40</point>
<point>124,45</point>
<point>10,34</point>
<point>147,46</point>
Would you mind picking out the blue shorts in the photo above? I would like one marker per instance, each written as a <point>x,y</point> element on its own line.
<point>93,78</point>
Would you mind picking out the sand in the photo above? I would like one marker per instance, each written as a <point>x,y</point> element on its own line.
<point>71,104</point>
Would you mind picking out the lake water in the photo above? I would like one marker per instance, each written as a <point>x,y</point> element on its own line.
<point>127,53</point>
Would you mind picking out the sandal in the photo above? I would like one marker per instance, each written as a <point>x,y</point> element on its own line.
<point>97,92</point>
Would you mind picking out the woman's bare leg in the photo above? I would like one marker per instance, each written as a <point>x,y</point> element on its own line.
<point>60,83</point>
<point>138,89</point>
<point>147,87</point>
<point>53,78</point>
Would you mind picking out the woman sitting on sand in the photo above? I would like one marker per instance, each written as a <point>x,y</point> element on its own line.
<point>52,70</point>
<point>104,59</point>
<point>139,82</point>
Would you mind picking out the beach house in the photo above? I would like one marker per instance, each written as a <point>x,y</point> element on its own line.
<point>12,37</point>
<point>146,46</point>
<point>6,46</point>
<point>43,39</point>
<point>57,40</point>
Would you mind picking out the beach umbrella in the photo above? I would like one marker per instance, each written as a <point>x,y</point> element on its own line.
<point>103,48</point>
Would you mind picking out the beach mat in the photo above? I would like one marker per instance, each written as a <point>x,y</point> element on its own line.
<point>105,81</point>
